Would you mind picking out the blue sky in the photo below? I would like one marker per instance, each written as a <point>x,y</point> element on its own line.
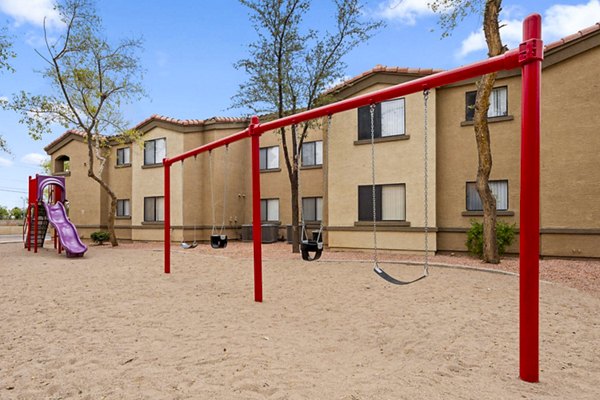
<point>191,46</point>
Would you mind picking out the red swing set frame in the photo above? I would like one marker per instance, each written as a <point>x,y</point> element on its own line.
<point>529,58</point>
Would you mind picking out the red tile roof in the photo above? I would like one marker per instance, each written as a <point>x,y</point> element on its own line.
<point>574,36</point>
<point>189,122</point>
<point>382,68</point>
<point>64,135</point>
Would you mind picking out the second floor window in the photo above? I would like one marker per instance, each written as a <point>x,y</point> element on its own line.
<point>499,190</point>
<point>498,103</point>
<point>390,202</point>
<point>312,153</point>
<point>154,210</point>
<point>123,208</point>
<point>388,120</point>
<point>154,151</point>
<point>269,209</point>
<point>124,156</point>
<point>269,158</point>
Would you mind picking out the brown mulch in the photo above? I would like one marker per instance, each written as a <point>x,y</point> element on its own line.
<point>578,274</point>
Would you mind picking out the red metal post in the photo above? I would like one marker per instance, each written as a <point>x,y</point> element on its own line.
<point>167,223</point>
<point>256,217</point>
<point>531,54</point>
<point>35,229</point>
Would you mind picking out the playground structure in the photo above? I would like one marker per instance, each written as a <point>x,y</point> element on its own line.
<point>42,213</point>
<point>529,58</point>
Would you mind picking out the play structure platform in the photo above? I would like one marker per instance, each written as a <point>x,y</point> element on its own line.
<point>46,209</point>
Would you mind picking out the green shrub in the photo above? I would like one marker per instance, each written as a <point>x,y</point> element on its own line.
<point>505,234</point>
<point>100,237</point>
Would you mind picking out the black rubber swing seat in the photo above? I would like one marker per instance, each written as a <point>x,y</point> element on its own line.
<point>218,241</point>
<point>393,280</point>
<point>311,246</point>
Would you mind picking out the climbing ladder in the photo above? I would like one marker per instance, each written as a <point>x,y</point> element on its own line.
<point>29,231</point>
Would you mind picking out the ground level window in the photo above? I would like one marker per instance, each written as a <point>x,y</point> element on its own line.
<point>123,208</point>
<point>312,153</point>
<point>154,209</point>
<point>269,210</point>
<point>390,202</point>
<point>499,190</point>
<point>312,208</point>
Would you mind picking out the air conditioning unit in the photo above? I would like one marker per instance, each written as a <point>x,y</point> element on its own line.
<point>270,233</point>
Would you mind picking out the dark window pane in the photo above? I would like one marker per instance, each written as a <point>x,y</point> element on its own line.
<point>309,209</point>
<point>149,152</point>
<point>149,211</point>
<point>263,158</point>
<point>470,106</point>
<point>364,122</point>
<point>308,154</point>
<point>263,210</point>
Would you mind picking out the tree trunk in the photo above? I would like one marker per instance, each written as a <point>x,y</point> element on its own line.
<point>482,133</point>
<point>296,232</point>
<point>107,189</point>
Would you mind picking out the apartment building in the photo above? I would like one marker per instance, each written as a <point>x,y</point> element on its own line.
<point>336,181</point>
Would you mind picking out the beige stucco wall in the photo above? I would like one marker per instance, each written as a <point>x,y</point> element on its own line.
<point>119,177</point>
<point>83,193</point>
<point>399,161</point>
<point>275,184</point>
<point>569,210</point>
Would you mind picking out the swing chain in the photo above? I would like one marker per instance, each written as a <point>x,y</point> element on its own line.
<point>225,187</point>
<point>426,180</point>
<point>212,191</point>
<point>372,112</point>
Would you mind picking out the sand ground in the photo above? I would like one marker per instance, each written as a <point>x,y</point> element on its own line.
<point>111,325</point>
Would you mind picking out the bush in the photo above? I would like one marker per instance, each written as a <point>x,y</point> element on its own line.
<point>100,237</point>
<point>505,234</point>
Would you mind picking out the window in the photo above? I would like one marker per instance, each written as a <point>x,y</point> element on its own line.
<point>499,190</point>
<point>312,153</point>
<point>124,156</point>
<point>154,151</point>
<point>154,210</point>
<point>390,202</point>
<point>123,209</point>
<point>269,158</point>
<point>498,103</point>
<point>388,120</point>
<point>62,164</point>
<point>312,208</point>
<point>269,210</point>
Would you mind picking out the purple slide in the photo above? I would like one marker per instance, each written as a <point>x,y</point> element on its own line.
<point>57,215</point>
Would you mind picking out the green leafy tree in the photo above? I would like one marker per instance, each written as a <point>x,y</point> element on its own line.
<point>17,213</point>
<point>4,213</point>
<point>452,12</point>
<point>91,80</point>
<point>6,53</point>
<point>290,66</point>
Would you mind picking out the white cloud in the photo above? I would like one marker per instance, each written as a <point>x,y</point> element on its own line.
<point>558,21</point>
<point>5,162</point>
<point>34,158</point>
<point>405,11</point>
<point>32,12</point>
<point>510,31</point>
<point>563,20</point>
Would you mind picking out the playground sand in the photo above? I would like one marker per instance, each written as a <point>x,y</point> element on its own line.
<point>111,325</point>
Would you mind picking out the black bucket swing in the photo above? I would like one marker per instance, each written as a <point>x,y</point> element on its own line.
<point>218,240</point>
<point>312,248</point>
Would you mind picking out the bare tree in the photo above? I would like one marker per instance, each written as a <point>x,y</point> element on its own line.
<point>291,66</point>
<point>451,13</point>
<point>91,79</point>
